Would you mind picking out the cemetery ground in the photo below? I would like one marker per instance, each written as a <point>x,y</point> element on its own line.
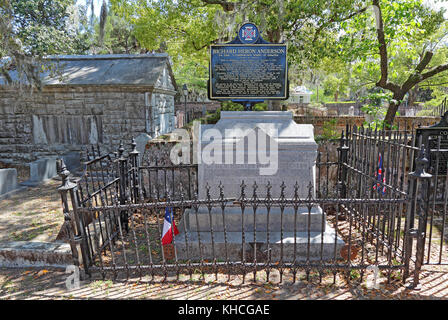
<point>32,215</point>
<point>35,215</point>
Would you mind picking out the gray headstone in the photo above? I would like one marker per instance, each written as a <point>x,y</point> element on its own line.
<point>41,170</point>
<point>8,180</point>
<point>72,160</point>
<point>297,153</point>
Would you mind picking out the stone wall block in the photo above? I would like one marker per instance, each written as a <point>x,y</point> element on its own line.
<point>63,95</point>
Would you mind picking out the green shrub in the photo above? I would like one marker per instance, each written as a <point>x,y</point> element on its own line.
<point>329,131</point>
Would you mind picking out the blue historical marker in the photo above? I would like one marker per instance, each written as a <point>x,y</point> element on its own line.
<point>248,69</point>
<point>248,33</point>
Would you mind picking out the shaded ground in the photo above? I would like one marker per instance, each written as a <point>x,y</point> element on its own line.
<point>51,284</point>
<point>34,214</point>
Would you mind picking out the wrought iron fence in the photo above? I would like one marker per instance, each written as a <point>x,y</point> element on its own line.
<point>375,213</point>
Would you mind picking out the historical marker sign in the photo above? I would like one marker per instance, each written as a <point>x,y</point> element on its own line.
<point>248,69</point>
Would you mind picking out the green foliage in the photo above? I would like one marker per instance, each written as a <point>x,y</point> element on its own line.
<point>231,106</point>
<point>214,117</point>
<point>30,30</point>
<point>430,106</point>
<point>43,27</point>
<point>119,36</point>
<point>376,108</point>
<point>187,28</point>
<point>355,274</point>
<point>329,131</point>
<point>334,86</point>
<point>411,29</point>
<point>321,97</point>
<point>260,107</point>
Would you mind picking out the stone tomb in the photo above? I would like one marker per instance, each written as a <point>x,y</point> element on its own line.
<point>275,149</point>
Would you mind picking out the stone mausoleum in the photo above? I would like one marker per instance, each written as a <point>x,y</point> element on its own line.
<point>96,99</point>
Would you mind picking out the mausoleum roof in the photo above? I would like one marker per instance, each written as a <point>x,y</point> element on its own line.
<point>109,69</point>
<point>301,90</point>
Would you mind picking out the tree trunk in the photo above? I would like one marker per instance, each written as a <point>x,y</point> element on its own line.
<point>392,110</point>
<point>413,95</point>
<point>275,36</point>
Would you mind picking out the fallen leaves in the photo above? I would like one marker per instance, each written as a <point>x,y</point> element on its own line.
<point>41,273</point>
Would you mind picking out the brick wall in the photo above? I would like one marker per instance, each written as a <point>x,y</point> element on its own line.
<point>319,121</point>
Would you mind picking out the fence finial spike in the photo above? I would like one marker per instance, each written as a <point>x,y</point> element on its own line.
<point>268,189</point>
<point>207,190</point>
<point>133,144</point>
<point>64,174</point>
<point>296,190</point>
<point>221,190</point>
<point>421,163</point>
<point>282,189</point>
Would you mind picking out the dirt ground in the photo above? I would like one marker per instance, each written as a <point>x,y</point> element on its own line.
<point>51,284</point>
<point>34,214</point>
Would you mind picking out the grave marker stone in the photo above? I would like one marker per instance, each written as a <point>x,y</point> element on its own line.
<point>261,147</point>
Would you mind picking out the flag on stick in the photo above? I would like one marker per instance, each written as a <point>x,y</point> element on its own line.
<point>168,228</point>
<point>380,176</point>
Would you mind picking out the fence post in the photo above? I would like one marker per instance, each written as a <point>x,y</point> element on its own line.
<point>72,227</point>
<point>419,196</point>
<point>133,156</point>
<point>122,170</point>
<point>342,169</point>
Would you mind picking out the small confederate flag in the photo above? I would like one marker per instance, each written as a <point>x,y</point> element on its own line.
<point>380,176</point>
<point>168,228</point>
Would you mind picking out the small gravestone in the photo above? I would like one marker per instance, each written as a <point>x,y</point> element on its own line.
<point>40,171</point>
<point>72,160</point>
<point>8,180</point>
<point>351,111</point>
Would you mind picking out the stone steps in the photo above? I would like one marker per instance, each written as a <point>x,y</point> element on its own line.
<point>35,254</point>
<point>200,220</point>
<point>321,245</point>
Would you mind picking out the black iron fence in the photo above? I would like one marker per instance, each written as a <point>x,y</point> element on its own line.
<point>382,210</point>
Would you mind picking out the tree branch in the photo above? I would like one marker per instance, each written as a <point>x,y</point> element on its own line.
<point>226,6</point>
<point>334,19</point>
<point>424,62</point>
<point>433,72</point>
<point>383,47</point>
